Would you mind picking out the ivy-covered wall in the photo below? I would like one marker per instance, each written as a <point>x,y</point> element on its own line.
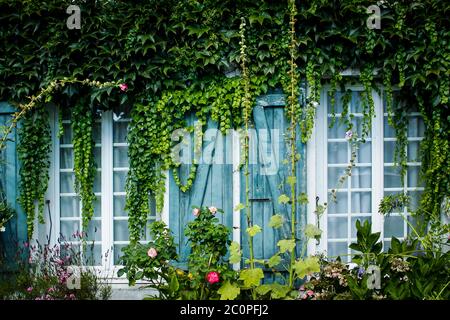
<point>179,57</point>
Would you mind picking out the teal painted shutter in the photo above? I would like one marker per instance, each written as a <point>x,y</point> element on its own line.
<point>212,187</point>
<point>270,120</point>
<point>16,229</point>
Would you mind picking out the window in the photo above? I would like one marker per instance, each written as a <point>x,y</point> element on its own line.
<point>108,231</point>
<point>373,176</point>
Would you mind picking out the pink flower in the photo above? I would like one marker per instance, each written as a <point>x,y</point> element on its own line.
<point>213,210</point>
<point>72,296</point>
<point>310,292</point>
<point>123,86</point>
<point>51,289</point>
<point>196,212</point>
<point>29,289</point>
<point>152,253</point>
<point>26,244</point>
<point>212,277</point>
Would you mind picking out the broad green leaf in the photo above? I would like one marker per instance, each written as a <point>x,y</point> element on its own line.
<point>283,199</point>
<point>311,231</point>
<point>251,277</point>
<point>239,206</point>
<point>279,291</point>
<point>263,289</point>
<point>253,231</point>
<point>307,266</point>
<point>276,221</point>
<point>286,245</point>
<point>228,291</point>
<point>235,252</point>
<point>291,180</point>
<point>274,260</point>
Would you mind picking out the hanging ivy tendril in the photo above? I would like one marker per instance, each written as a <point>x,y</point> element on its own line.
<point>33,150</point>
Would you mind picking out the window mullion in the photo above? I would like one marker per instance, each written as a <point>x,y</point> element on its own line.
<point>107,189</point>
<point>377,163</point>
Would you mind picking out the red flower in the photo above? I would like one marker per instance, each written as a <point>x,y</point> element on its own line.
<point>212,277</point>
<point>123,86</point>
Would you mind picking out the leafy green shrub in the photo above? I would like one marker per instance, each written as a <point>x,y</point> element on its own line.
<point>207,270</point>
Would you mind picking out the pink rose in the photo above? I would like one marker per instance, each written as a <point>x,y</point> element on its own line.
<point>51,289</point>
<point>213,210</point>
<point>29,289</point>
<point>152,253</point>
<point>196,212</point>
<point>123,86</point>
<point>72,296</point>
<point>212,277</point>
<point>310,292</point>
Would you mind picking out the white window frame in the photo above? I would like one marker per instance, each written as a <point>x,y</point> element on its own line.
<point>317,184</point>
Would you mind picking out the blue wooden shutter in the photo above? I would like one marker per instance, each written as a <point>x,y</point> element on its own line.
<point>16,228</point>
<point>212,187</point>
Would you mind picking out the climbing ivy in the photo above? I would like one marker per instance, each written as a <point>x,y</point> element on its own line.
<point>177,55</point>
<point>34,156</point>
<point>83,153</point>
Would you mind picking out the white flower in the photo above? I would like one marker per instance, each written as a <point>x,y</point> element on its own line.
<point>315,104</point>
<point>348,134</point>
<point>2,229</point>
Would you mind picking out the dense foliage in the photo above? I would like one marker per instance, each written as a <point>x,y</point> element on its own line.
<point>174,56</point>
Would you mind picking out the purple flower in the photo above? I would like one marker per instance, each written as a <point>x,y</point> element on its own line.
<point>348,134</point>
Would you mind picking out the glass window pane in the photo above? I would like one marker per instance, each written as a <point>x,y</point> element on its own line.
<point>337,105</point>
<point>118,252</point>
<point>120,131</point>
<point>333,177</point>
<point>121,157</point>
<point>66,137</point>
<point>120,178</point>
<point>93,254</point>
<point>414,151</point>
<point>361,202</point>
<point>337,131</point>
<point>389,132</point>
<point>98,157</point>
<point>97,132</point>
<point>98,182</point>
<point>393,226</point>
<point>364,153</point>
<point>392,177</point>
<point>97,207</point>
<point>119,206</point>
<point>389,151</point>
<point>337,227</point>
<point>121,232</point>
<point>337,152</point>
<point>414,177</point>
<point>336,249</point>
<point>70,206</point>
<point>94,232</point>
<point>66,158</point>
<point>415,197</point>
<point>416,127</point>
<point>358,126</point>
<point>68,228</point>
<point>361,177</point>
<point>340,206</point>
<point>66,181</point>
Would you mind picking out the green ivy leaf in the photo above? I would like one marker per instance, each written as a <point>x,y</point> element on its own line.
<point>251,277</point>
<point>235,252</point>
<point>311,231</point>
<point>291,180</point>
<point>276,221</point>
<point>253,231</point>
<point>228,291</point>
<point>239,207</point>
<point>286,245</point>
<point>283,199</point>
<point>307,266</point>
<point>274,261</point>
